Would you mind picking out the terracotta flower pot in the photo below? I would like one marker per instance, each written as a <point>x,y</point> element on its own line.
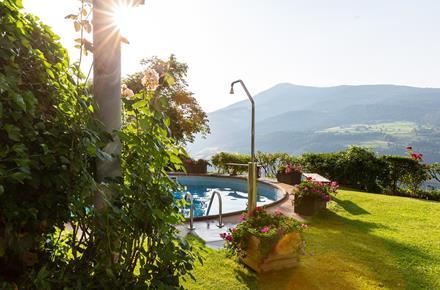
<point>291,178</point>
<point>196,167</point>
<point>284,254</point>
<point>309,205</point>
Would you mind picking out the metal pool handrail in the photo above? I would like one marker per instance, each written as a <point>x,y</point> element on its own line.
<point>220,223</point>
<point>191,210</point>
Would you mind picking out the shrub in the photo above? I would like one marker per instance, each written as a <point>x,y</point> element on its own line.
<point>356,167</point>
<point>405,171</point>
<point>49,140</point>
<point>325,164</point>
<point>221,159</point>
<point>271,162</point>
<point>48,137</point>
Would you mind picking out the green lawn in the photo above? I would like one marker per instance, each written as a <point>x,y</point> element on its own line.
<point>364,241</point>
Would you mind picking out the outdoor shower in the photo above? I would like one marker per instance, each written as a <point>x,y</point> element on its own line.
<point>252,167</point>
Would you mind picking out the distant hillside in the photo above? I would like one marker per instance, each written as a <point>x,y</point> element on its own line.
<point>299,119</point>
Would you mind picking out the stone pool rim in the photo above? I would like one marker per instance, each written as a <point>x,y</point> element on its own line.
<point>283,196</point>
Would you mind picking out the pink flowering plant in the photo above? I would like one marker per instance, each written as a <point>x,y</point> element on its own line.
<point>267,227</point>
<point>310,187</point>
<point>290,168</point>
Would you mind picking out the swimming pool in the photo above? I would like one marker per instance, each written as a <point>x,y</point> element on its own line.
<point>232,190</point>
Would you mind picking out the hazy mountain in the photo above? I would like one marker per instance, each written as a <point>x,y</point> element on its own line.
<point>298,119</point>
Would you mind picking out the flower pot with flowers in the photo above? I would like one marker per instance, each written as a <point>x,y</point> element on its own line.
<point>312,196</point>
<point>266,242</point>
<point>290,174</point>
<point>196,166</point>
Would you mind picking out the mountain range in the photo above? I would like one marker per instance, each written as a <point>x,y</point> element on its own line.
<point>297,119</point>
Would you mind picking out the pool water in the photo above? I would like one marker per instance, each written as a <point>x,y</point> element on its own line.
<point>232,190</point>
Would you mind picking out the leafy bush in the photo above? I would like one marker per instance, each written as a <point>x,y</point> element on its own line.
<point>272,162</point>
<point>356,167</point>
<point>120,234</point>
<point>221,159</point>
<point>48,138</point>
<point>269,162</point>
<point>405,171</point>
<point>325,164</point>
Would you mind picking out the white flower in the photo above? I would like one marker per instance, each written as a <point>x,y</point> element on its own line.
<point>151,79</point>
<point>126,92</point>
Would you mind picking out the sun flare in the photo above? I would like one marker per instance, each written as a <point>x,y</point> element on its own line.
<point>124,17</point>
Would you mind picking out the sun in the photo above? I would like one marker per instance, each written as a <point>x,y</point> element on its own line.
<point>124,18</point>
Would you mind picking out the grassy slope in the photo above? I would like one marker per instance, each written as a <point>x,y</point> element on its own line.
<point>365,241</point>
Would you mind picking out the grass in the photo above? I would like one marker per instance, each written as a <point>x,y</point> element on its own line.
<point>363,241</point>
<point>397,129</point>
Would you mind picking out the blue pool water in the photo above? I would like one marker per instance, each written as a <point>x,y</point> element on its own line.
<point>232,190</point>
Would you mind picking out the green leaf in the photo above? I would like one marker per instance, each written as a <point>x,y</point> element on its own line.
<point>19,176</point>
<point>103,155</point>
<point>19,101</point>
<point>169,79</point>
<point>13,132</point>
<point>2,190</point>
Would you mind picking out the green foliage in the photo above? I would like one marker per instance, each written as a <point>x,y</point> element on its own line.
<point>434,171</point>
<point>220,161</point>
<point>325,164</point>
<point>356,167</point>
<point>272,162</point>
<point>58,228</point>
<point>268,228</point>
<point>405,171</point>
<point>48,139</point>
<point>186,116</point>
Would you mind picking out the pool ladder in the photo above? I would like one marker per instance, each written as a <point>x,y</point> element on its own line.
<point>191,209</point>
<point>220,223</point>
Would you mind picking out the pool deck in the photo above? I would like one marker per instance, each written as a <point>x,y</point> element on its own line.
<point>208,231</point>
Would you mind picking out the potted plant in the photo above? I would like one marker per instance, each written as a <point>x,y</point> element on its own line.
<point>312,196</point>
<point>290,174</point>
<point>196,166</point>
<point>266,242</point>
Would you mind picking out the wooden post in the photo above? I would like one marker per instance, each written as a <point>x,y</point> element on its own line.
<point>107,81</point>
<point>252,187</point>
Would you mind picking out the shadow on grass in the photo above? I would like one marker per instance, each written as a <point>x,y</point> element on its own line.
<point>247,278</point>
<point>344,253</point>
<point>350,206</point>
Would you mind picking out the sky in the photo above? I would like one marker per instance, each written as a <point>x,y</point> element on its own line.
<point>262,42</point>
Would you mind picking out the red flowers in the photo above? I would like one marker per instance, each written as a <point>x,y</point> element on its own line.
<point>227,237</point>
<point>265,229</point>
<point>414,155</point>
<point>293,168</point>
